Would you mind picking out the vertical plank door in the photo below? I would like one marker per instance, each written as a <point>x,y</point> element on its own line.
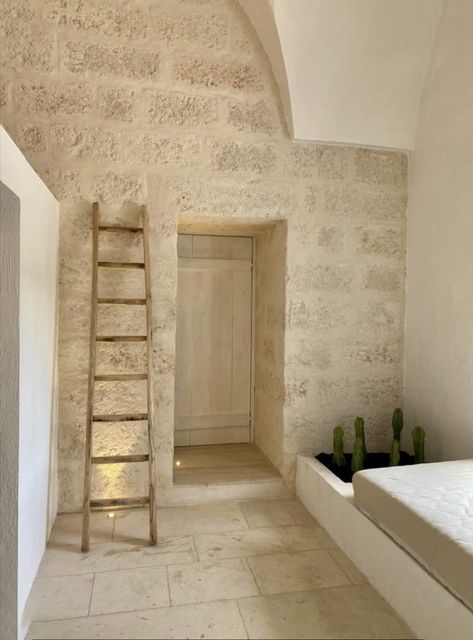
<point>213,347</point>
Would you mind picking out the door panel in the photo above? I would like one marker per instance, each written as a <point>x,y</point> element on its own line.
<point>213,359</point>
<point>241,364</point>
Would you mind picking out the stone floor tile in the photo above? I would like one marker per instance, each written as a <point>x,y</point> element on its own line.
<point>57,598</point>
<point>275,513</point>
<point>349,567</point>
<point>284,572</point>
<point>129,590</point>
<point>206,581</point>
<point>132,525</point>
<point>263,541</point>
<point>111,556</point>
<point>205,518</point>
<point>210,620</point>
<point>342,613</point>
<point>68,529</point>
<point>306,537</point>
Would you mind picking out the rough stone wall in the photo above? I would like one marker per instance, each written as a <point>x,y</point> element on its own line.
<point>270,311</point>
<point>171,103</point>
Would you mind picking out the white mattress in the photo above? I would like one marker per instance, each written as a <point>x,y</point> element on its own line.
<point>428,510</point>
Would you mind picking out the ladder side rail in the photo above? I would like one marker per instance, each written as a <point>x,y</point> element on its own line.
<point>91,381</point>
<point>150,390</point>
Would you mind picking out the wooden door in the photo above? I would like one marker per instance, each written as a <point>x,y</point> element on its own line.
<point>213,346</point>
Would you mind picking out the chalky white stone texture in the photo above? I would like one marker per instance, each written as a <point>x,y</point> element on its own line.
<point>173,105</point>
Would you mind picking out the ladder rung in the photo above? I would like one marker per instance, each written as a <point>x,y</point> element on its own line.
<point>121,338</point>
<point>120,417</point>
<point>120,228</point>
<point>121,301</point>
<point>118,502</point>
<point>121,376</point>
<point>144,457</point>
<point>121,265</point>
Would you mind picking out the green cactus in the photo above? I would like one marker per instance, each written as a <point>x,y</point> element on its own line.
<point>418,438</point>
<point>360,433</point>
<point>358,458</point>
<point>338,458</point>
<point>398,423</point>
<point>395,457</point>
<point>359,448</point>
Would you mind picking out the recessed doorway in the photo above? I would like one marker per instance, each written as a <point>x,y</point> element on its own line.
<point>214,363</point>
<point>214,340</point>
<point>230,355</point>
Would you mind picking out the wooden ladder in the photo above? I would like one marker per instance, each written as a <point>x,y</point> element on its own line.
<point>93,377</point>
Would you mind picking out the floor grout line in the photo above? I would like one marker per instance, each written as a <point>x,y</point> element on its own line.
<point>169,587</point>
<point>130,568</point>
<point>313,590</point>
<point>245,559</point>
<point>244,516</point>
<point>125,541</point>
<point>242,619</point>
<point>66,575</point>
<point>339,565</point>
<point>197,555</point>
<point>91,595</point>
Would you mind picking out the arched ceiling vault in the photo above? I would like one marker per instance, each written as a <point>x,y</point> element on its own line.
<point>349,71</point>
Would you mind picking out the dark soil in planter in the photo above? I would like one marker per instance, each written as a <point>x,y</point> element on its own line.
<point>373,461</point>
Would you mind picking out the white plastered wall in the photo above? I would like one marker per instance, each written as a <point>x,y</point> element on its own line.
<point>349,71</point>
<point>439,348</point>
<point>39,240</point>
<point>9,405</point>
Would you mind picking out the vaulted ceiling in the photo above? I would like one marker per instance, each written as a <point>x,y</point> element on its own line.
<point>349,71</point>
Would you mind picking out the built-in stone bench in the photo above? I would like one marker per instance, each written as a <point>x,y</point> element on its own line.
<point>426,605</point>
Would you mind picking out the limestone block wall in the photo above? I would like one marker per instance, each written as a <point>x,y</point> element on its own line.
<point>172,103</point>
<point>270,314</point>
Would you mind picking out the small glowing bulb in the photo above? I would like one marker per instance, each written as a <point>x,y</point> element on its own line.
<point>178,463</point>
<point>111,515</point>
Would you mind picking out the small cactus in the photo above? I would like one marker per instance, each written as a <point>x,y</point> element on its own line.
<point>358,458</point>
<point>398,423</point>
<point>360,433</point>
<point>418,438</point>
<point>338,457</point>
<point>395,457</point>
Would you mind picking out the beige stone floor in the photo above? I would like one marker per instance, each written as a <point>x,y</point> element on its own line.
<point>225,463</point>
<point>225,570</point>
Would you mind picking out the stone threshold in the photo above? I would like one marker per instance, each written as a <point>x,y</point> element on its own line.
<point>185,495</point>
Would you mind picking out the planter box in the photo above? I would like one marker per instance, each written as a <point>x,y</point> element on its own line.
<point>426,606</point>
